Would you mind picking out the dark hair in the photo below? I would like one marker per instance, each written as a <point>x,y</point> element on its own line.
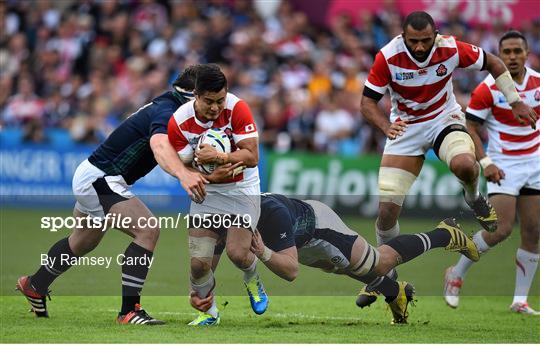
<point>210,78</point>
<point>513,34</point>
<point>419,20</point>
<point>186,79</point>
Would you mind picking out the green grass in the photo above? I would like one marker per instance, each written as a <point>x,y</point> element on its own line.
<point>317,307</point>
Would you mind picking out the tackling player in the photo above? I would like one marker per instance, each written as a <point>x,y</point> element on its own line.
<point>416,68</point>
<point>307,231</point>
<point>101,185</point>
<point>511,167</point>
<point>236,198</point>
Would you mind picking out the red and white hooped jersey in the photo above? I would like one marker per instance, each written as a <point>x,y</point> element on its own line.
<point>420,91</point>
<point>185,128</point>
<point>507,137</point>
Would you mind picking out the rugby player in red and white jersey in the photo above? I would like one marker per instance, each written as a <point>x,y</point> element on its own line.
<point>237,198</point>
<point>416,68</point>
<point>511,167</point>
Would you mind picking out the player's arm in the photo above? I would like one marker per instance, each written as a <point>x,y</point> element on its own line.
<point>473,127</point>
<point>491,172</point>
<point>167,158</point>
<point>245,136</point>
<point>283,263</point>
<point>479,108</point>
<point>374,89</point>
<point>523,113</point>
<point>473,57</point>
<point>247,153</point>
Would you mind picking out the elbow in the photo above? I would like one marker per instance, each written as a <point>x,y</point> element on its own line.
<point>292,274</point>
<point>252,161</point>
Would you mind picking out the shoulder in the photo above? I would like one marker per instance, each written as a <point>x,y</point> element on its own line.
<point>395,46</point>
<point>184,112</point>
<point>232,101</point>
<point>532,73</point>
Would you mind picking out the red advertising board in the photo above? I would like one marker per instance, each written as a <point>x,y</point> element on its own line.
<point>484,12</point>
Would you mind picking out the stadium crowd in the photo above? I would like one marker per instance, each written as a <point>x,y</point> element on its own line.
<point>86,65</point>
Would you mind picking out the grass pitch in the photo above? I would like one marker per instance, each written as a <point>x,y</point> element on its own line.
<point>317,307</point>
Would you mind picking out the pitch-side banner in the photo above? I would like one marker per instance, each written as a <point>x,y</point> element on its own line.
<point>350,185</point>
<point>40,175</point>
<point>485,12</point>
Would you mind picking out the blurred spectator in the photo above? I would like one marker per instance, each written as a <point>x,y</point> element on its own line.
<point>333,125</point>
<point>86,65</point>
<point>24,105</point>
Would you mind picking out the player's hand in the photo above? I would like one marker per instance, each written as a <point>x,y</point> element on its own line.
<point>492,173</point>
<point>525,114</point>
<point>201,304</point>
<point>257,244</point>
<point>193,183</point>
<point>206,154</point>
<point>395,129</point>
<point>224,172</point>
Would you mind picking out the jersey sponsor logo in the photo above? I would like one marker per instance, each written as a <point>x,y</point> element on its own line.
<point>501,100</point>
<point>404,75</point>
<point>441,70</point>
<point>422,72</point>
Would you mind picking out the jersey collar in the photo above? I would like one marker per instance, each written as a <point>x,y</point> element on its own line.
<point>521,87</point>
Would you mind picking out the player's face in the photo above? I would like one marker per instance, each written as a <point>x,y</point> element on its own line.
<point>514,53</point>
<point>419,42</point>
<point>210,104</point>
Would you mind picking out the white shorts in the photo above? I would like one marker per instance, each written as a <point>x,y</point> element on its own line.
<point>519,173</point>
<point>420,137</point>
<point>95,192</point>
<point>334,240</point>
<point>242,201</point>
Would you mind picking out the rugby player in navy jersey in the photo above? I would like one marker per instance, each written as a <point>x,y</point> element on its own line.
<point>292,231</point>
<point>101,185</point>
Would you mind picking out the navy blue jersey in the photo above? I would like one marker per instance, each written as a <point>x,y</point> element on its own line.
<point>285,222</point>
<point>127,150</point>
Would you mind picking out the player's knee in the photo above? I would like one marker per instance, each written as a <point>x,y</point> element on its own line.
<point>455,147</point>
<point>394,184</point>
<point>199,268</point>
<point>387,261</point>
<point>464,166</point>
<point>148,236</point>
<point>82,245</point>
<point>367,262</point>
<point>239,256</point>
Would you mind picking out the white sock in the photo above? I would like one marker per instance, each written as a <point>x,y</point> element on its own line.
<point>203,290</point>
<point>526,264</point>
<point>385,236</point>
<point>251,271</point>
<point>471,190</point>
<point>213,309</point>
<point>463,265</point>
<point>203,285</point>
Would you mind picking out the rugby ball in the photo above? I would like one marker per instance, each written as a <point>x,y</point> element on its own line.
<point>219,140</point>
